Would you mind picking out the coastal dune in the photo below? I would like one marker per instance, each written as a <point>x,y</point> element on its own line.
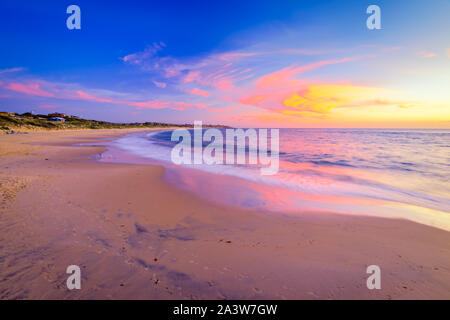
<point>135,236</point>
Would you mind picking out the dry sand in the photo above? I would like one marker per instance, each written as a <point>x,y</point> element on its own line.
<point>137,237</point>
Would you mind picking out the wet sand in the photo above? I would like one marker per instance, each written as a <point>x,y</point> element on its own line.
<point>136,236</point>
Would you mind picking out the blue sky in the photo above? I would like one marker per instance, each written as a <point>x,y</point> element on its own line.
<point>179,61</point>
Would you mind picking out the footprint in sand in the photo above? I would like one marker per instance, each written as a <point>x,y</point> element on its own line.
<point>257,290</point>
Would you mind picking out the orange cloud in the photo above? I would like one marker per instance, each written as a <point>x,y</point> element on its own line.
<point>280,92</point>
<point>310,99</point>
<point>324,97</point>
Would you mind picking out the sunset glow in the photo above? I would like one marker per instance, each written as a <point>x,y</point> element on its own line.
<point>298,75</point>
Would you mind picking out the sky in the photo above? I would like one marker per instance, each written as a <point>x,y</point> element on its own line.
<point>239,63</point>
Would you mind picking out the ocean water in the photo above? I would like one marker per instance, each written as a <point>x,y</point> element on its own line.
<point>396,173</point>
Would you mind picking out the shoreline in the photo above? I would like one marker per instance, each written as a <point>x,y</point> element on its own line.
<point>245,192</point>
<point>136,236</point>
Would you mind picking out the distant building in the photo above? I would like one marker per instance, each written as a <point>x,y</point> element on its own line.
<point>57,115</point>
<point>58,119</point>
<point>11,114</point>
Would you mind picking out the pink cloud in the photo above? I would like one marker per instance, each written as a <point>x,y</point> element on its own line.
<point>192,76</point>
<point>198,92</point>
<point>151,104</point>
<point>238,55</point>
<point>222,79</point>
<point>171,72</point>
<point>272,101</point>
<point>224,85</point>
<point>252,99</point>
<point>86,96</point>
<point>225,77</point>
<point>32,88</point>
<point>277,77</point>
<point>190,105</point>
<point>154,104</point>
<point>35,88</point>
<point>233,55</point>
<point>222,109</point>
<point>158,104</point>
<point>270,90</point>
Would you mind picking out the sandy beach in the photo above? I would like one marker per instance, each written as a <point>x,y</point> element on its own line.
<point>136,236</point>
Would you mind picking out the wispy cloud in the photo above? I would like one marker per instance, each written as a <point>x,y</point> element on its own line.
<point>221,110</point>
<point>11,70</point>
<point>271,91</point>
<point>159,84</point>
<point>158,104</point>
<point>86,96</point>
<point>278,84</point>
<point>41,88</point>
<point>198,92</point>
<point>148,54</point>
<point>425,54</point>
<point>220,71</point>
<point>30,88</point>
<point>284,76</point>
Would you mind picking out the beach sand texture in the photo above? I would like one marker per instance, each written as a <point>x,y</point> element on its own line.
<point>136,236</point>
